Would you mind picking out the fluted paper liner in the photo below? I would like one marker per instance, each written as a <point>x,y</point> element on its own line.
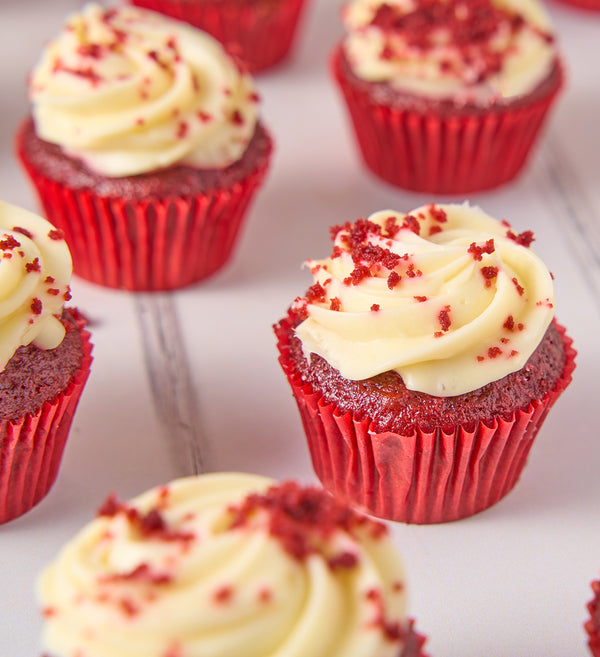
<point>151,244</point>
<point>260,34</point>
<point>460,153</point>
<point>594,5</point>
<point>31,448</point>
<point>426,477</point>
<point>593,632</point>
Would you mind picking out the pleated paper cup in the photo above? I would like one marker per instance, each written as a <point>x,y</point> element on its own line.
<point>31,447</point>
<point>259,33</point>
<point>454,153</point>
<point>591,626</point>
<point>422,478</point>
<point>592,5</point>
<point>151,244</point>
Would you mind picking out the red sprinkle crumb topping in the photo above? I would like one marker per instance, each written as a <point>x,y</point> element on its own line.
<point>54,291</point>
<point>437,214</point>
<point>489,273</point>
<point>393,279</point>
<point>56,234</point>
<point>335,304</point>
<point>524,239</point>
<point>151,525</point>
<point>375,307</point>
<point>477,251</point>
<point>444,318</point>
<point>494,352</point>
<point>315,293</point>
<point>520,289</point>
<point>33,266</point>
<point>223,594</point>
<point>420,299</point>
<point>23,231</point>
<point>9,243</point>
<point>142,573</point>
<point>237,118</point>
<point>36,306</point>
<point>302,519</point>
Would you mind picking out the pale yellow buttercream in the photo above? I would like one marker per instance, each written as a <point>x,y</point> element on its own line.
<point>216,590</point>
<point>444,71</point>
<point>35,272</point>
<point>130,91</point>
<point>458,318</point>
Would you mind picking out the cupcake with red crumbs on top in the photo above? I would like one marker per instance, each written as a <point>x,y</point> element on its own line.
<point>228,564</point>
<point>592,625</point>
<point>447,97</point>
<point>260,32</point>
<point>145,147</point>
<point>424,359</point>
<point>45,357</point>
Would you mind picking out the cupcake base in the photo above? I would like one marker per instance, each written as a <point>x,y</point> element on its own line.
<point>439,149</point>
<point>31,447</point>
<point>422,478</point>
<point>260,33</point>
<point>140,242</point>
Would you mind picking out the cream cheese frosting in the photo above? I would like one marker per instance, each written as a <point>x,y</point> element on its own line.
<point>464,50</point>
<point>128,91</point>
<point>446,295</point>
<point>226,564</point>
<point>35,272</point>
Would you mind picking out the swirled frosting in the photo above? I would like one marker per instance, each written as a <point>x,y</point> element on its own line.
<point>226,564</point>
<point>35,272</point>
<point>447,296</point>
<point>464,50</point>
<point>128,91</point>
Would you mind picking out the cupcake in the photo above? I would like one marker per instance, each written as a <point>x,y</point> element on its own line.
<point>228,564</point>
<point>424,359</point>
<point>145,147</point>
<point>259,32</point>
<point>447,97</point>
<point>44,358</point>
<point>592,625</point>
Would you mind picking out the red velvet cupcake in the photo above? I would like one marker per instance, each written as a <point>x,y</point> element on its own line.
<point>45,357</point>
<point>288,570</point>
<point>592,625</point>
<point>447,97</point>
<point>145,147</point>
<point>424,360</point>
<point>260,32</point>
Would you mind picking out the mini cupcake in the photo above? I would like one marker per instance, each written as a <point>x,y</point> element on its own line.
<point>424,360</point>
<point>144,146</point>
<point>592,625</point>
<point>260,32</point>
<point>447,97</point>
<point>228,564</point>
<point>45,357</point>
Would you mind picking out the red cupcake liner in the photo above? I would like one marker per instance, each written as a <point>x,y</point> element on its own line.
<point>423,478</point>
<point>261,33</point>
<point>151,244</point>
<point>454,154</point>
<point>31,447</point>
<point>593,5</point>
<point>591,627</point>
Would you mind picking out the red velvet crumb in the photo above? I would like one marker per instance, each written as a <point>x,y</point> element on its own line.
<point>36,306</point>
<point>477,251</point>
<point>23,231</point>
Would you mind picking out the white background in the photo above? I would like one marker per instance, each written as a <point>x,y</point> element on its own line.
<point>190,381</point>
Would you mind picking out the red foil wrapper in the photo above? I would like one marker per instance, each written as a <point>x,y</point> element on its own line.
<point>594,5</point>
<point>452,154</point>
<point>149,245</point>
<point>31,447</point>
<point>423,478</point>
<point>259,33</point>
<point>592,626</point>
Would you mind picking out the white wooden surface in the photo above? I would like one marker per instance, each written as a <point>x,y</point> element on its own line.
<point>189,381</point>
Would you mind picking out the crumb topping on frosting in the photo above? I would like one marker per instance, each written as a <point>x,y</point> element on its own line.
<point>445,295</point>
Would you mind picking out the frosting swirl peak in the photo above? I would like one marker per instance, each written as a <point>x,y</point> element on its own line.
<point>35,272</point>
<point>129,91</point>
<point>447,296</point>
<point>226,564</point>
<point>465,50</point>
